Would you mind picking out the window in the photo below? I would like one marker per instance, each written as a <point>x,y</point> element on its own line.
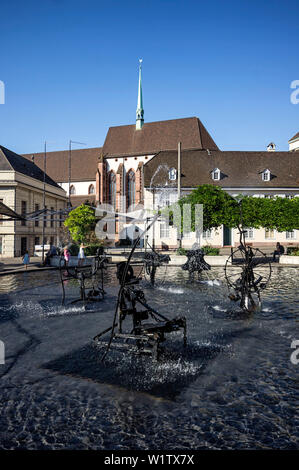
<point>290,235</point>
<point>187,235</point>
<point>269,233</point>
<point>1,246</point>
<point>249,233</point>
<point>266,175</point>
<point>36,222</point>
<point>72,190</point>
<point>269,196</point>
<point>172,174</point>
<point>131,188</point>
<point>91,189</point>
<point>36,241</point>
<point>51,240</point>
<point>207,234</point>
<point>23,211</point>
<point>164,230</point>
<point>289,196</point>
<point>112,189</point>
<point>52,217</point>
<point>216,174</point>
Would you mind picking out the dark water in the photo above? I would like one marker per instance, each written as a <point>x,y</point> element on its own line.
<point>233,387</point>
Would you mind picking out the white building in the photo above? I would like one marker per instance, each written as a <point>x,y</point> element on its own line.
<point>21,189</point>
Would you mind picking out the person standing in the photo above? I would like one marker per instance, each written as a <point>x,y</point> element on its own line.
<point>81,255</point>
<point>26,259</point>
<point>66,255</point>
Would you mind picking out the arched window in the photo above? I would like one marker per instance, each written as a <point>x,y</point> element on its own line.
<point>91,189</point>
<point>172,174</point>
<point>72,190</point>
<point>112,189</point>
<point>131,188</point>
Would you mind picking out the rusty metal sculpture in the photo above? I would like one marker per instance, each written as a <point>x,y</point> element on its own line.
<point>143,337</point>
<point>95,273</point>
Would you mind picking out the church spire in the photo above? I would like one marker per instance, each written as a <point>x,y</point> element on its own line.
<point>139,110</point>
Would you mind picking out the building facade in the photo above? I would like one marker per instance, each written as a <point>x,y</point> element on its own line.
<point>125,171</point>
<point>257,174</point>
<point>74,171</point>
<point>21,189</point>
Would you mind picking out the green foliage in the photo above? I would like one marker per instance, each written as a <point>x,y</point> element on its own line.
<point>210,250</point>
<point>73,249</point>
<point>181,251</point>
<point>219,208</point>
<point>81,223</point>
<point>91,250</point>
<point>293,250</point>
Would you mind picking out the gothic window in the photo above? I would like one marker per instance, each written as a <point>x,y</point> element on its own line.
<point>131,188</point>
<point>72,190</point>
<point>91,189</point>
<point>112,189</point>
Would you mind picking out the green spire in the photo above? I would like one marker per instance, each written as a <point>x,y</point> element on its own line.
<point>139,110</point>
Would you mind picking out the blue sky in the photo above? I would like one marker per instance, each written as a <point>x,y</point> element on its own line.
<point>70,69</point>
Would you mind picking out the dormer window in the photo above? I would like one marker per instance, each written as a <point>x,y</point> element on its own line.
<point>216,174</point>
<point>172,174</point>
<point>266,175</point>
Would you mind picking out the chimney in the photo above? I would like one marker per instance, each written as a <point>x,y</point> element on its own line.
<point>271,147</point>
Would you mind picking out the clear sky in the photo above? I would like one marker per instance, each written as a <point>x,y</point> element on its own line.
<point>70,69</point>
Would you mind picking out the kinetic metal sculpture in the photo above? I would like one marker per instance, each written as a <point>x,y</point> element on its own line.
<point>195,263</point>
<point>250,275</point>
<point>152,261</point>
<point>82,274</point>
<point>143,337</point>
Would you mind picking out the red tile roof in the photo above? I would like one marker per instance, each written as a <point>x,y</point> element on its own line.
<point>238,168</point>
<point>296,136</point>
<point>156,136</point>
<point>83,164</point>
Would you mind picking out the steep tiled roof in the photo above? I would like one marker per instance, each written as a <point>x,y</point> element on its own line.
<point>78,200</point>
<point>12,161</point>
<point>296,136</point>
<point>156,136</point>
<point>238,168</point>
<point>83,164</point>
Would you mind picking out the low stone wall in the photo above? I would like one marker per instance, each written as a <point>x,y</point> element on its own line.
<point>287,259</point>
<point>176,260</point>
<point>54,261</point>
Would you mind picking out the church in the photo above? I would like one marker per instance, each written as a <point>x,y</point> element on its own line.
<point>122,171</point>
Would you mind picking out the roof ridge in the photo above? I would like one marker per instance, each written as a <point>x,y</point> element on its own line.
<point>3,153</point>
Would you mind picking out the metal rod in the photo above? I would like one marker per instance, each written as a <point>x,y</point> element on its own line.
<point>44,202</point>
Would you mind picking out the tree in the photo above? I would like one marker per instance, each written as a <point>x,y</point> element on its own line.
<point>219,208</point>
<point>81,223</point>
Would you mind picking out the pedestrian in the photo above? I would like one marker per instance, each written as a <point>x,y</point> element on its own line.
<point>26,259</point>
<point>66,255</point>
<point>81,255</point>
<point>278,252</point>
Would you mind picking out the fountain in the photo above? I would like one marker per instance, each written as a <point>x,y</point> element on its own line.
<point>97,292</point>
